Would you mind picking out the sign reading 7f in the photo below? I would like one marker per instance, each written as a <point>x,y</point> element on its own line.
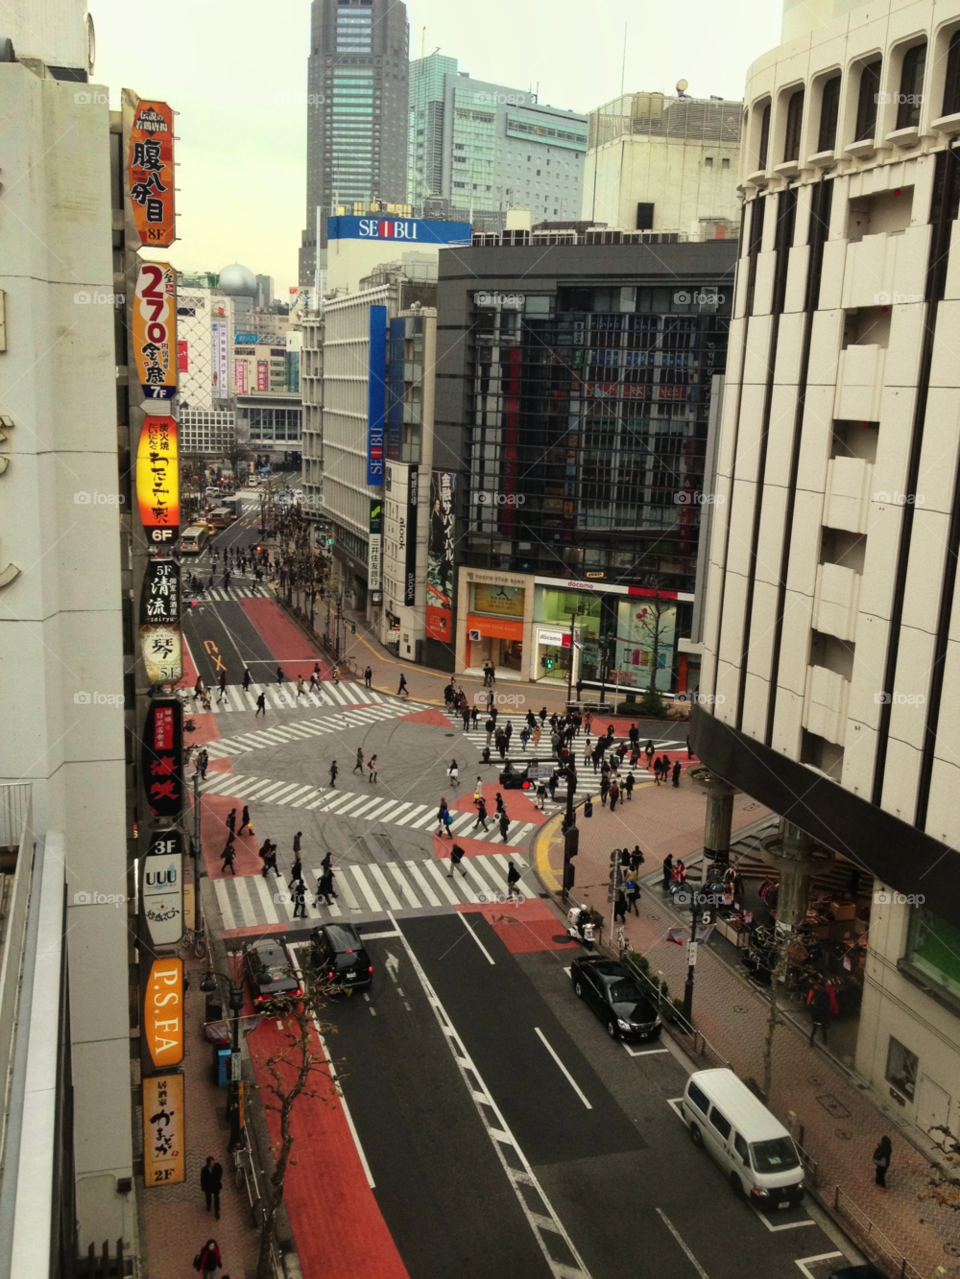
<point>214,652</point>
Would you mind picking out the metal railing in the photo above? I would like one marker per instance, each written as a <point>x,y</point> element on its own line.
<point>14,807</point>
<point>246,1176</point>
<point>844,1205</point>
<point>15,801</point>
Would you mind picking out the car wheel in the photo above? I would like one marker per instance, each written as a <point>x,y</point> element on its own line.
<point>737,1185</point>
<point>578,989</point>
<point>612,1029</point>
<point>696,1136</point>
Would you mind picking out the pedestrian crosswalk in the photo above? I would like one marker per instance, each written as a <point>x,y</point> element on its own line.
<point>249,901</point>
<point>346,803</point>
<point>284,697</point>
<point>300,730</point>
<point>221,594</point>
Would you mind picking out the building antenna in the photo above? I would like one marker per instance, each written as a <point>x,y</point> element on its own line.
<point>423,43</point>
<point>623,68</point>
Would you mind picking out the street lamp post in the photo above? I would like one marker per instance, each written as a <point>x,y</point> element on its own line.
<point>571,832</point>
<point>208,985</point>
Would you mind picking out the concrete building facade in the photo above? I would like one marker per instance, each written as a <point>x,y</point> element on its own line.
<point>832,642</point>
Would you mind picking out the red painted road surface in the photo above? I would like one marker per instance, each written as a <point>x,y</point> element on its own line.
<point>291,649</point>
<point>437,718</point>
<point>524,928</point>
<point>213,835</point>
<point>339,1230</point>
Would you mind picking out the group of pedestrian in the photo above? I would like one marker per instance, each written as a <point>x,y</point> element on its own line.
<point>228,856</point>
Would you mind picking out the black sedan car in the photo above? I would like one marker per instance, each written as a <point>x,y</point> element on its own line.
<point>340,957</point>
<point>270,973</point>
<point>615,997</point>
<point>524,776</point>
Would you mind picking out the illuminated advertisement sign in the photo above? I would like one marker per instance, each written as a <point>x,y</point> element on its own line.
<point>161,759</point>
<point>150,173</point>
<point>376,394</point>
<point>160,639</point>
<point>155,330</point>
<point>161,889</point>
<point>158,480</point>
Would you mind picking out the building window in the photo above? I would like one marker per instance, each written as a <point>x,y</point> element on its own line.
<point>708,161</point>
<point>829,107</point>
<point>645,217</point>
<point>911,87</point>
<point>935,948</point>
<point>791,147</point>
<point>951,87</point>
<point>764,138</point>
<point>725,163</point>
<point>902,1067</point>
<point>867,101</point>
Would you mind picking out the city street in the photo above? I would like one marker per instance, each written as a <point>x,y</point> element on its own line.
<point>499,1131</point>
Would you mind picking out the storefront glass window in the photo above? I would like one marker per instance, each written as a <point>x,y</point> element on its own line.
<point>497,601</point>
<point>556,606</point>
<point>646,637</point>
<point>902,1068</point>
<point>935,948</point>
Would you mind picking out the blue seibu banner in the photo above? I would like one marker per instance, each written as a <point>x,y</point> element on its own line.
<point>376,395</point>
<point>407,230</point>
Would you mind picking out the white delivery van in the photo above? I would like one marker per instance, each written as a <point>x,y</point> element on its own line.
<point>749,1143</point>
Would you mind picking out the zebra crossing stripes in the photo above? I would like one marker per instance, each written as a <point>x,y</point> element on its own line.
<point>347,693</point>
<point>250,901</point>
<point>285,733</point>
<point>225,595</point>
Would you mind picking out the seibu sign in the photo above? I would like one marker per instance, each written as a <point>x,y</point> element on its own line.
<point>412,230</point>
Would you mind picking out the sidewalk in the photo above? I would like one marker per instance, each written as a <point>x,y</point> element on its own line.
<point>841,1122</point>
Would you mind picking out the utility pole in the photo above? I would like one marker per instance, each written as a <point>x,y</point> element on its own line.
<point>571,832</point>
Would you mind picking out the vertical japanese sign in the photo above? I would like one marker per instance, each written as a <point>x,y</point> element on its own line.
<point>263,375</point>
<point>161,889</point>
<point>155,330</point>
<point>240,377</point>
<point>160,638</point>
<point>161,758</point>
<point>440,556</point>
<point>219,348</point>
<point>158,480</point>
<point>375,554</point>
<point>164,1139</point>
<point>410,564</point>
<point>150,173</point>
<point>376,394</point>
<point>183,357</point>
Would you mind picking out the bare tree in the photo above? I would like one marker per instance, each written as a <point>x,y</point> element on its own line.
<point>945,1184</point>
<point>652,623</point>
<point>292,1073</point>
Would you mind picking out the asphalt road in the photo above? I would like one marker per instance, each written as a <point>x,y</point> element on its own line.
<point>624,1180</point>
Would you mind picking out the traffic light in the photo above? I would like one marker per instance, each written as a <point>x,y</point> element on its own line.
<point>353,628</point>
<point>330,540</point>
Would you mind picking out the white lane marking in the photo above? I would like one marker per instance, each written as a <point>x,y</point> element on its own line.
<point>439,877</point>
<point>674,1104</point>
<point>676,1234</point>
<point>375,937</point>
<point>404,886</point>
<point>223,901</point>
<point>393,901</point>
<point>343,1101</point>
<point>364,888</point>
<point>823,1256</point>
<point>790,1225</point>
<point>414,812</point>
<point>343,883</point>
<point>547,1227</point>
<point>643,1052</point>
<point>566,1073</point>
<point>420,880</point>
<point>472,932</point>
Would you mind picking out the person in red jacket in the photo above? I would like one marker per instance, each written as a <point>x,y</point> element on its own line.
<point>207,1260</point>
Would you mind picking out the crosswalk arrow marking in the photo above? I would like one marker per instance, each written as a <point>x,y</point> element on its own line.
<point>393,966</point>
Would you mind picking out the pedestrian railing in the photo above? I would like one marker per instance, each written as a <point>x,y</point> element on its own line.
<point>247,1178</point>
<point>846,1207</point>
<point>14,806</point>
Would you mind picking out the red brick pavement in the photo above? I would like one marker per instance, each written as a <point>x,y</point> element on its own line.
<point>841,1124</point>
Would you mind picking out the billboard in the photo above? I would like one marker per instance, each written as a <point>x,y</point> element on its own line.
<point>375,546</point>
<point>219,348</point>
<point>160,639</point>
<point>164,1139</point>
<point>161,757</point>
<point>155,330</point>
<point>410,551</point>
<point>161,888</point>
<point>163,1012</point>
<point>263,375</point>
<point>158,480</point>
<point>183,357</point>
<point>405,230</point>
<point>376,394</point>
<point>150,173</point>
<point>240,376</point>
<point>440,556</point>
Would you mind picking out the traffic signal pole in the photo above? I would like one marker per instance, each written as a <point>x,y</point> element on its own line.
<point>571,832</point>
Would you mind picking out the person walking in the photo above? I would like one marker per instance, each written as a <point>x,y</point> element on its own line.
<point>648,751</point>
<point>297,841</point>
<point>270,862</point>
<point>333,773</point>
<point>656,771</point>
<point>474,716</point>
<point>299,890</point>
<point>367,677</point>
<point>211,1183</point>
<point>232,821</point>
<point>222,687</point>
<point>541,794</point>
<point>261,706</point>
<point>819,1004</point>
<point>456,857</point>
<point>358,766</point>
<point>620,907</point>
<point>504,826</point>
<point>301,687</point>
<point>228,856</point>
<point>403,686</point>
<point>881,1161</point>
<point>553,781</point>
<point>207,1260</point>
<point>535,736</point>
<point>297,871</point>
<point>628,786</point>
<point>442,815</point>
<point>513,878</point>
<point>614,795</point>
<point>453,772</point>
<point>246,825</point>
<point>372,767</point>
<point>481,813</point>
<point>489,726</point>
<point>325,888</point>
<point>633,895</point>
<point>676,772</point>
<point>667,870</point>
<point>636,859</point>
<point>604,787</point>
<point>203,760</point>
<point>246,680</point>
<point>226,579</point>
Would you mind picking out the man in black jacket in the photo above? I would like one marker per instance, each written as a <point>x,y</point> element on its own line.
<point>211,1183</point>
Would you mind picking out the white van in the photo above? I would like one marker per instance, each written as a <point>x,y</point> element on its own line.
<point>747,1141</point>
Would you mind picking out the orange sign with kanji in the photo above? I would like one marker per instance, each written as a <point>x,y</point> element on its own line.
<point>150,173</point>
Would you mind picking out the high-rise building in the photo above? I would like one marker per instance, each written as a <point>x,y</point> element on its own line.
<point>657,163</point>
<point>832,640</point>
<point>477,149</point>
<point>356,113</point>
<point>575,378</point>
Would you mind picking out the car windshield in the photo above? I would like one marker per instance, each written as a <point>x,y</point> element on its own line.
<point>777,1155</point>
<point>624,992</point>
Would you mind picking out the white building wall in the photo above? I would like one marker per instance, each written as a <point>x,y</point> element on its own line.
<point>61,648</point>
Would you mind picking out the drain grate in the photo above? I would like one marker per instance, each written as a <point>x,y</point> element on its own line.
<point>832,1106</point>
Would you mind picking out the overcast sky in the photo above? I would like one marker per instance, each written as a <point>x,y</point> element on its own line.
<point>222,63</point>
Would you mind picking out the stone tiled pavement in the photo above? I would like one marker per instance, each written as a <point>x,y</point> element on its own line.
<point>841,1124</point>
<point>174,1219</point>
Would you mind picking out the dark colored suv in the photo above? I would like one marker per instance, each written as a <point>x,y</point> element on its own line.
<point>340,957</point>
<point>270,972</point>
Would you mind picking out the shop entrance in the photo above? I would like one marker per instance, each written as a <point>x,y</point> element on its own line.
<point>505,654</point>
